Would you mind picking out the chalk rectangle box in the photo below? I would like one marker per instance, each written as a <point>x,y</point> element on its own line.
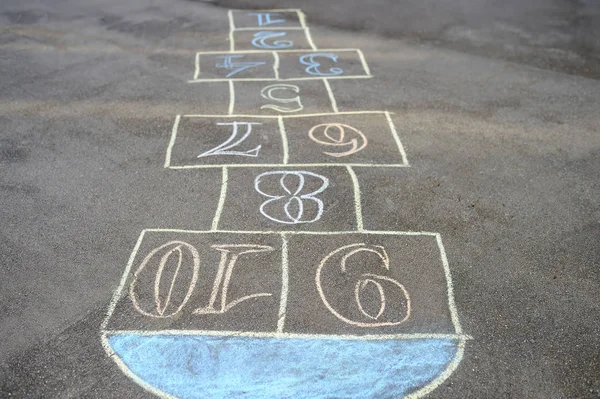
<point>272,29</point>
<point>286,64</point>
<point>331,283</point>
<point>350,138</point>
<point>289,199</point>
<point>289,18</point>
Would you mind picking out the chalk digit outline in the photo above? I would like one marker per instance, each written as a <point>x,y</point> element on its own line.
<point>382,254</point>
<point>261,37</point>
<point>160,306</point>
<point>267,93</point>
<point>339,142</point>
<point>228,64</point>
<point>313,65</point>
<point>223,278</point>
<point>225,148</point>
<point>296,195</point>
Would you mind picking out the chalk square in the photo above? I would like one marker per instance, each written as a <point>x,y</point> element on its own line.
<point>271,40</point>
<point>357,270</point>
<point>224,140</point>
<point>287,98</point>
<point>251,201</point>
<point>358,139</point>
<point>330,63</point>
<point>222,66</point>
<point>266,19</point>
<point>137,307</point>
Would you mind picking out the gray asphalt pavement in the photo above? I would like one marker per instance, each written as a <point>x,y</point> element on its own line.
<point>497,107</point>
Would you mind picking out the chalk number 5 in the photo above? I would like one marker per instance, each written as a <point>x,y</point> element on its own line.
<point>283,94</point>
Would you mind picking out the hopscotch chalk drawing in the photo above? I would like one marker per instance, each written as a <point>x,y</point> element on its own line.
<point>300,303</point>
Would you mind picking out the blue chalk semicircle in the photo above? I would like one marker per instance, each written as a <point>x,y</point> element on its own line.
<point>231,367</point>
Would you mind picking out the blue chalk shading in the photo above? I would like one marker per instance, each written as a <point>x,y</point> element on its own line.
<point>195,366</point>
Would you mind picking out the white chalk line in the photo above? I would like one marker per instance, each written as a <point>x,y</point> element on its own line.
<point>334,106</point>
<point>296,10</point>
<point>284,285</point>
<point>119,290</point>
<point>289,165</point>
<point>363,61</point>
<point>284,140</point>
<point>231,98</point>
<point>286,116</point>
<point>302,18</point>
<point>292,232</point>
<point>221,204</point>
<point>263,28</point>
<point>449,285</point>
<point>276,64</point>
<point>197,65</point>
<point>216,80</point>
<point>231,21</point>
<point>231,30</point>
<point>309,39</point>
<point>252,334</point>
<point>357,199</point>
<point>231,42</point>
<point>294,50</point>
<point>172,141</point>
<point>397,138</point>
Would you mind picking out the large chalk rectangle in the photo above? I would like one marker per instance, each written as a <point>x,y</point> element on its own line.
<point>280,65</point>
<point>367,139</point>
<point>289,18</point>
<point>372,284</point>
<point>297,199</point>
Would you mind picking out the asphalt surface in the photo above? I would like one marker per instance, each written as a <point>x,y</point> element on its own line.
<point>496,104</point>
